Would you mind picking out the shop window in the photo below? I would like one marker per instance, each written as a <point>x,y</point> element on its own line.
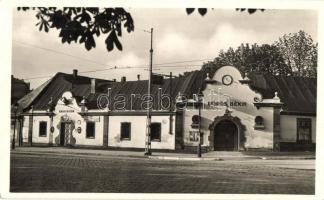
<point>125,131</point>
<point>304,130</point>
<point>156,132</point>
<point>42,129</point>
<point>90,131</point>
<point>259,123</point>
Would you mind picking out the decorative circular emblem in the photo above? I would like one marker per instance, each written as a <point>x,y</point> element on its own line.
<point>257,99</point>
<point>52,129</point>
<point>195,119</point>
<point>79,129</point>
<point>227,80</point>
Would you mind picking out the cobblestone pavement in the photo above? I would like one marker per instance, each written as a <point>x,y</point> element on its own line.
<point>80,173</point>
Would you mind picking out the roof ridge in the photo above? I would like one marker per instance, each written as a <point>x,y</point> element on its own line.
<point>81,76</point>
<point>24,103</point>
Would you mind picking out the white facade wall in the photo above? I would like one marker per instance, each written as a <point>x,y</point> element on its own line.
<point>64,113</point>
<point>77,120</point>
<point>254,138</point>
<point>288,125</point>
<point>25,129</point>
<point>218,92</point>
<point>138,132</point>
<point>36,137</point>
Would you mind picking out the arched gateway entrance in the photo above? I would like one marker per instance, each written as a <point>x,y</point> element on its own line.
<point>225,136</point>
<point>227,133</point>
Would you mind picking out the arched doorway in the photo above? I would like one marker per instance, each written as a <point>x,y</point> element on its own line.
<point>225,136</point>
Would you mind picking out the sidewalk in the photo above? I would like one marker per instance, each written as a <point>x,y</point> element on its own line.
<point>212,155</point>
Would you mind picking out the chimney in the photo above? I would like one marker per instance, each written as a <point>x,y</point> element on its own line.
<point>93,86</point>
<point>114,80</point>
<point>123,79</point>
<point>75,73</point>
<point>138,77</point>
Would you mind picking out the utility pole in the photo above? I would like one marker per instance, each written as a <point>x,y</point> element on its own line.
<point>170,120</point>
<point>148,120</point>
<point>199,127</point>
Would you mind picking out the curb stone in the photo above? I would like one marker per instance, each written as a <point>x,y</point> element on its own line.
<point>184,158</point>
<point>171,157</point>
<point>75,154</point>
<point>288,158</point>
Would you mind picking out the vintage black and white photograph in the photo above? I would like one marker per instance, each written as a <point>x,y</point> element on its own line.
<point>163,100</point>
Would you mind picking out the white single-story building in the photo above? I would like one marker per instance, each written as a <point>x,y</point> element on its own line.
<point>232,111</point>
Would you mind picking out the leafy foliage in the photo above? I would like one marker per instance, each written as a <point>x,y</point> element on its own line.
<point>294,54</point>
<point>299,52</point>
<point>203,11</point>
<point>265,59</point>
<point>250,10</point>
<point>84,24</point>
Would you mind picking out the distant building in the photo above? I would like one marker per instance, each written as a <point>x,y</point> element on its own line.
<point>238,112</point>
<point>19,88</point>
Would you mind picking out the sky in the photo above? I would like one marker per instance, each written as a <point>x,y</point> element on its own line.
<point>187,41</point>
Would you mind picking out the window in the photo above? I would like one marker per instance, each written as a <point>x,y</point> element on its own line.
<point>259,123</point>
<point>125,131</point>
<point>156,132</point>
<point>90,132</point>
<point>42,129</point>
<point>304,130</point>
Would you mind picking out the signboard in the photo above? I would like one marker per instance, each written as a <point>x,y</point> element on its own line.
<point>193,136</point>
<point>228,104</point>
<point>66,111</point>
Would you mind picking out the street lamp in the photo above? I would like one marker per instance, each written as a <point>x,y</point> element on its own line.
<point>200,95</point>
<point>148,117</point>
<point>14,109</point>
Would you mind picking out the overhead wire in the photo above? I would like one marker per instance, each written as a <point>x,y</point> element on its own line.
<point>102,64</point>
<point>58,52</point>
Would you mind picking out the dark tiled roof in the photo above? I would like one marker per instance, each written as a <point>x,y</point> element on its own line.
<point>28,99</point>
<point>134,91</point>
<point>55,87</point>
<point>297,93</point>
<point>187,84</point>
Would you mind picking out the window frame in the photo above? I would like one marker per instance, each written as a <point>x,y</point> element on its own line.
<point>259,123</point>
<point>160,134</point>
<point>129,128</point>
<point>298,122</point>
<point>94,130</point>
<point>39,129</point>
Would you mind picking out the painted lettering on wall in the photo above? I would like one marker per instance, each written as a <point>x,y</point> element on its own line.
<point>66,111</point>
<point>225,103</point>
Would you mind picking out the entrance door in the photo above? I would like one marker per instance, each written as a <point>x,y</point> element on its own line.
<point>64,132</point>
<point>225,138</point>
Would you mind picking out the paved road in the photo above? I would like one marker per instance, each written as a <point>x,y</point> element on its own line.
<point>80,173</point>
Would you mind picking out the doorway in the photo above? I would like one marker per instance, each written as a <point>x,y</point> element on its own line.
<point>226,136</point>
<point>64,132</point>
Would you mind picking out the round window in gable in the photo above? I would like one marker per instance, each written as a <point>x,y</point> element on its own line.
<point>259,123</point>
